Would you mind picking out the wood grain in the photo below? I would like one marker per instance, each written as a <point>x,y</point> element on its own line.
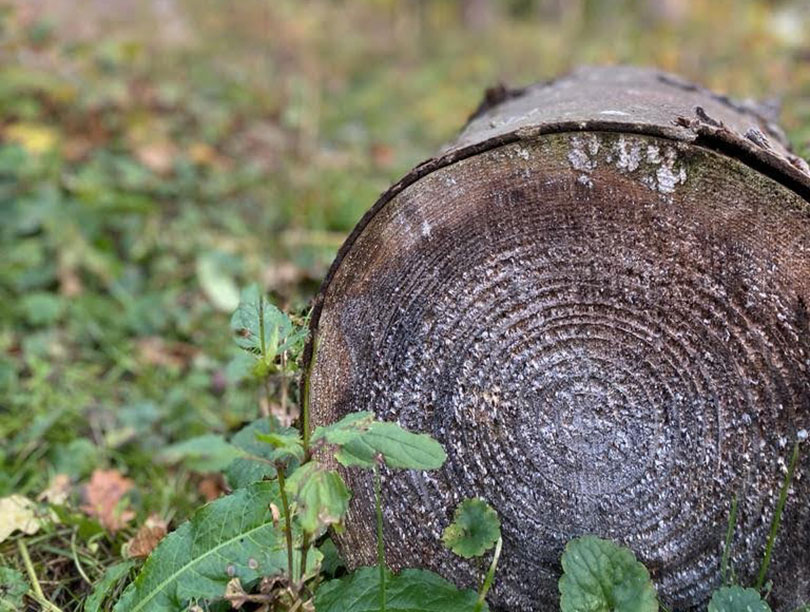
<point>605,326</point>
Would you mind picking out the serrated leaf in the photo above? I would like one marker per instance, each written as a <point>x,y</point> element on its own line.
<point>243,471</point>
<point>232,537</point>
<point>474,530</point>
<point>398,448</point>
<point>412,590</point>
<point>111,577</point>
<point>321,495</point>
<point>737,599</point>
<point>207,453</point>
<point>349,428</point>
<point>600,576</point>
<point>285,445</point>
<point>13,586</point>
<point>279,332</point>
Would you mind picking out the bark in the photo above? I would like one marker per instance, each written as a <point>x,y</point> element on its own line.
<point>596,299</point>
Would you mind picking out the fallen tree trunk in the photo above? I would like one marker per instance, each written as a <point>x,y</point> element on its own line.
<point>597,300</point>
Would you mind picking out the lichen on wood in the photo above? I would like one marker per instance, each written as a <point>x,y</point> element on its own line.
<point>600,310</point>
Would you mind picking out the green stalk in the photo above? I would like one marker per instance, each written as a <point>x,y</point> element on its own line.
<point>380,543</point>
<point>732,523</point>
<point>777,517</point>
<point>304,551</point>
<point>479,605</point>
<point>287,521</point>
<point>39,596</point>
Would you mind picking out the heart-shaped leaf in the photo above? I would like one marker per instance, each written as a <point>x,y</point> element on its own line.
<point>474,530</point>
<point>737,599</point>
<point>599,576</point>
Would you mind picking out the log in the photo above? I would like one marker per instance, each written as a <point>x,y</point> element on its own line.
<point>596,299</point>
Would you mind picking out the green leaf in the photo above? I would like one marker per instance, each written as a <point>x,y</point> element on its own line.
<point>285,445</point>
<point>737,599</point>
<point>13,586</point>
<point>474,530</point>
<point>332,561</point>
<point>360,441</point>
<point>243,471</point>
<point>347,429</point>
<point>111,577</point>
<point>321,495</point>
<point>599,576</point>
<point>232,537</point>
<point>279,332</point>
<point>208,453</point>
<point>412,590</point>
<point>215,275</point>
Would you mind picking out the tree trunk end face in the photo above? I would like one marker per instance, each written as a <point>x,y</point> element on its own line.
<point>608,333</point>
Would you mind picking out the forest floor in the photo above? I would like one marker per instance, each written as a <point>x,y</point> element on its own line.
<point>156,157</point>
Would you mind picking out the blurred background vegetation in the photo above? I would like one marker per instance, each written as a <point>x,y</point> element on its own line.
<point>156,155</point>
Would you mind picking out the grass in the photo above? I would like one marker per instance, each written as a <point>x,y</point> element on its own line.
<point>149,165</point>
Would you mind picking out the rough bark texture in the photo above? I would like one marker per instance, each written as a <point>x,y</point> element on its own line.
<point>597,300</point>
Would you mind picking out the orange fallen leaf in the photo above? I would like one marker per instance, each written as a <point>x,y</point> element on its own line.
<point>104,494</point>
<point>211,487</point>
<point>147,537</point>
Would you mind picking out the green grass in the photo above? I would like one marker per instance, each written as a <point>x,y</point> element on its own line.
<point>145,175</point>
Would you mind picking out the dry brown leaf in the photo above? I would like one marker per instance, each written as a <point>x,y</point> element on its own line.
<point>104,493</point>
<point>157,156</point>
<point>276,514</point>
<point>147,537</point>
<point>57,491</point>
<point>155,350</point>
<point>235,594</point>
<point>211,487</point>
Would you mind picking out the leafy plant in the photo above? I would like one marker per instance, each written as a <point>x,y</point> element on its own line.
<point>737,599</point>
<point>475,529</point>
<point>599,576</point>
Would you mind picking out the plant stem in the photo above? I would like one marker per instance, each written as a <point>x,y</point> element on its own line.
<point>304,552</point>
<point>380,542</point>
<point>287,521</point>
<point>732,522</point>
<point>284,407</point>
<point>32,576</point>
<point>479,605</point>
<point>777,517</point>
<point>263,343</point>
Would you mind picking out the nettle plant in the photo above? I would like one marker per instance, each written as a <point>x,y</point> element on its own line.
<point>266,544</point>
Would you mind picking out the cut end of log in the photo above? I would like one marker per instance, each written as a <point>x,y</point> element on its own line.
<point>597,301</point>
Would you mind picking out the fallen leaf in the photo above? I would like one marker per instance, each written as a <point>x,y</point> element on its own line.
<point>157,156</point>
<point>104,494</point>
<point>235,594</point>
<point>211,487</point>
<point>34,137</point>
<point>154,350</point>
<point>18,513</point>
<point>147,537</point>
<point>57,491</point>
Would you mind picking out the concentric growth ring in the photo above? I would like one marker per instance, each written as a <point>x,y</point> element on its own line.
<point>617,354</point>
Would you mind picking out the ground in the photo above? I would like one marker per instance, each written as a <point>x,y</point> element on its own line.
<point>155,157</point>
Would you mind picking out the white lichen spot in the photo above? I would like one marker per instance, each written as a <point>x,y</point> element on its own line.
<point>582,155</point>
<point>584,179</point>
<point>425,229</point>
<point>668,175</point>
<point>522,153</point>
<point>802,435</point>
<point>653,154</point>
<point>627,159</point>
